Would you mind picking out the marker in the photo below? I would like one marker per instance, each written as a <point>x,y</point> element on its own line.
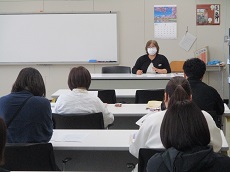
<point>92,61</point>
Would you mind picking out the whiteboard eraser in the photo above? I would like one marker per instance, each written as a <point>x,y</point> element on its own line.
<point>92,61</point>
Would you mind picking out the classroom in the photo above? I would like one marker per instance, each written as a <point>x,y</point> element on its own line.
<point>135,26</point>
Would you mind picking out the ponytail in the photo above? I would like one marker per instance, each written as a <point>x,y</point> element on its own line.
<point>178,89</point>
<point>178,95</point>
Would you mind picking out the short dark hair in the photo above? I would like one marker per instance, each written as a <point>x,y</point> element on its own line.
<point>31,80</point>
<point>150,42</point>
<point>79,77</point>
<point>184,127</point>
<point>2,140</point>
<point>194,67</point>
<point>178,89</point>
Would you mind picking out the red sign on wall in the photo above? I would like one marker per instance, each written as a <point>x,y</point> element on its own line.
<point>208,14</point>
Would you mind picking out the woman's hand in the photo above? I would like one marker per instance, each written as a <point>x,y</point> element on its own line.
<point>159,70</point>
<point>139,72</point>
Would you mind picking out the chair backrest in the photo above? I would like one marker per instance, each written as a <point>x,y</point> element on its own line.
<point>176,66</point>
<point>144,155</point>
<point>116,69</point>
<point>107,96</point>
<point>29,157</point>
<point>143,96</point>
<point>216,118</point>
<point>78,121</point>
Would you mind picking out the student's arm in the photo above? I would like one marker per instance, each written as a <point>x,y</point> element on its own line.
<point>107,116</point>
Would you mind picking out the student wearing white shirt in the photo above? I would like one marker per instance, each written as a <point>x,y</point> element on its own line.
<point>79,100</point>
<point>148,135</point>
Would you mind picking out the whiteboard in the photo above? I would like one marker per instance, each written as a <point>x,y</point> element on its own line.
<point>58,38</point>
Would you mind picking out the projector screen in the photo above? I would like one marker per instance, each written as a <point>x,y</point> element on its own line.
<point>58,38</point>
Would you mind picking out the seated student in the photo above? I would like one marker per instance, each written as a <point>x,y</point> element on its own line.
<point>79,100</point>
<point>2,143</point>
<point>148,135</point>
<point>26,111</point>
<point>185,134</point>
<point>152,61</point>
<point>205,96</point>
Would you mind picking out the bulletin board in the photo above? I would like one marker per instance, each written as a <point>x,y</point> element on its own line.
<point>208,14</point>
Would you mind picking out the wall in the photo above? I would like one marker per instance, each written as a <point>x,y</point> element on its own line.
<point>135,27</point>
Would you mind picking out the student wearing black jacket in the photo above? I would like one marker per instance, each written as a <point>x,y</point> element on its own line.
<point>184,133</point>
<point>205,96</point>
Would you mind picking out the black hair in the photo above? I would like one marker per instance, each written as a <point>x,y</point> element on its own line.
<point>178,89</point>
<point>184,127</point>
<point>194,68</point>
<point>2,140</point>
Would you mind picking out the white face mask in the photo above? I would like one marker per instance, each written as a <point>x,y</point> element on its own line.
<point>152,51</point>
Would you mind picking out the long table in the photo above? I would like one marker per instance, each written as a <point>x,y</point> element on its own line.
<point>130,81</point>
<point>120,93</point>
<point>127,115</point>
<point>97,150</point>
<point>93,150</point>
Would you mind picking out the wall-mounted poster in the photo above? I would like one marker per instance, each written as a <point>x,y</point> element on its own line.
<point>165,21</point>
<point>208,14</point>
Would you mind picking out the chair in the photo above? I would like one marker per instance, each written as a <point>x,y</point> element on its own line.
<point>143,96</point>
<point>144,155</point>
<point>177,66</point>
<point>29,157</point>
<point>116,69</point>
<point>78,121</point>
<point>107,96</point>
<point>216,118</point>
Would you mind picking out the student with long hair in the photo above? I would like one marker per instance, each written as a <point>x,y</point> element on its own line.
<point>148,135</point>
<point>185,134</point>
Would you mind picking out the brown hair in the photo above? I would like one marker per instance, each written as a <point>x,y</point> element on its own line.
<point>149,43</point>
<point>79,77</point>
<point>31,80</point>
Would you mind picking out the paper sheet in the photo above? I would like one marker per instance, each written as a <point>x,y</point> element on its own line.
<point>78,137</point>
<point>187,41</point>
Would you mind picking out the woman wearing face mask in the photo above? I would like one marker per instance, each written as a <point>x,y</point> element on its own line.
<point>152,62</point>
